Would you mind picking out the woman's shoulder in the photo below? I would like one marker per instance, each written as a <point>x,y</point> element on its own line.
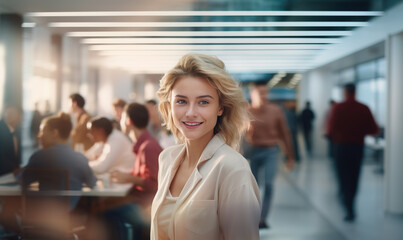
<point>170,153</point>
<point>230,158</point>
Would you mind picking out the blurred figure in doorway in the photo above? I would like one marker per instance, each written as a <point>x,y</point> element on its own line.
<point>118,106</point>
<point>35,123</point>
<point>306,118</point>
<point>80,135</point>
<point>292,120</point>
<point>154,125</point>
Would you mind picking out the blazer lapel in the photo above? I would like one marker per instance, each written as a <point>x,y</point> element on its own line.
<point>216,142</point>
<point>168,178</point>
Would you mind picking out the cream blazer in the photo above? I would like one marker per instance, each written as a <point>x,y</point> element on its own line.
<point>219,201</point>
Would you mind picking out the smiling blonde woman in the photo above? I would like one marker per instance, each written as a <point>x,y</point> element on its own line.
<point>205,187</point>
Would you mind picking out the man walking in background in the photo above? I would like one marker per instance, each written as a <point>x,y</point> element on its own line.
<point>349,122</point>
<point>268,130</point>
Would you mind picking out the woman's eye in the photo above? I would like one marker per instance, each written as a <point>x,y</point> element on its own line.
<point>203,102</point>
<point>181,101</point>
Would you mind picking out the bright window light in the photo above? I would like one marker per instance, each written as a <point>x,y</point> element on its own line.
<point>207,40</point>
<point>2,75</point>
<point>206,33</point>
<point>28,25</point>
<point>202,13</point>
<point>204,24</point>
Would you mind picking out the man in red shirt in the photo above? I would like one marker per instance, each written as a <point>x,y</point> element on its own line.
<point>144,173</point>
<point>348,124</point>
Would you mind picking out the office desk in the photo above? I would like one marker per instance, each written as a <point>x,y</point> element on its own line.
<point>9,187</point>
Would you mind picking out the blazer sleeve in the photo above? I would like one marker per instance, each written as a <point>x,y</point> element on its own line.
<point>239,206</point>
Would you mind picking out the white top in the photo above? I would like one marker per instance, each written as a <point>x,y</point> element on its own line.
<point>115,154</point>
<point>165,215</point>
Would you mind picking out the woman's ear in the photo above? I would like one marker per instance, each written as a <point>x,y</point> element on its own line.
<point>220,111</point>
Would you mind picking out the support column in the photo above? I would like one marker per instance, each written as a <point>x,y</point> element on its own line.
<point>11,44</point>
<point>57,57</point>
<point>394,129</point>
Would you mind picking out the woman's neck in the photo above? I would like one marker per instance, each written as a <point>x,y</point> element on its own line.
<point>194,150</point>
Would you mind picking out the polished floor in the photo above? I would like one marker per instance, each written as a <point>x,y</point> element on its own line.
<point>306,206</point>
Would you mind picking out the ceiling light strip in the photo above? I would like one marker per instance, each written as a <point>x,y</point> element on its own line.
<point>202,13</point>
<point>204,24</point>
<point>207,47</point>
<point>207,40</point>
<point>211,52</point>
<point>206,33</point>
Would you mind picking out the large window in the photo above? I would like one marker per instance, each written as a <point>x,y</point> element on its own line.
<point>371,88</point>
<point>369,78</point>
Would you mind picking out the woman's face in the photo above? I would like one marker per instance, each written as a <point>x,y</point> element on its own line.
<point>195,107</point>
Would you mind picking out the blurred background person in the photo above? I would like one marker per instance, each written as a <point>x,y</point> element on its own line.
<point>57,154</point>
<point>154,124</point>
<point>268,129</point>
<point>80,139</point>
<point>35,124</point>
<point>118,106</point>
<point>349,122</point>
<point>10,143</point>
<point>292,121</point>
<point>306,118</point>
<point>112,149</point>
<point>135,208</point>
<point>330,147</point>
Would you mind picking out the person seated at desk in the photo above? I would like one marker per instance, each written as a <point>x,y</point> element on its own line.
<point>112,149</point>
<point>57,154</point>
<point>10,144</point>
<point>135,208</point>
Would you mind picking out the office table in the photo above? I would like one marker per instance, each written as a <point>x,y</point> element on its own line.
<point>10,187</point>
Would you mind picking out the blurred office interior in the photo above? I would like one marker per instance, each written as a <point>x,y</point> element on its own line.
<point>305,49</point>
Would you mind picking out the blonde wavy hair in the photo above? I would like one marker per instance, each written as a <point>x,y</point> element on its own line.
<point>233,122</point>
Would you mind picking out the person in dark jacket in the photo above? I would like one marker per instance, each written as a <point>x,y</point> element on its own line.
<point>10,145</point>
<point>306,118</point>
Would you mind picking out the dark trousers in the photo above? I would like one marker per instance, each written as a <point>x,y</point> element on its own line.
<point>348,159</point>
<point>307,133</point>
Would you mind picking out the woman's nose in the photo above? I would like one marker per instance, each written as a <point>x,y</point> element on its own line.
<point>191,110</point>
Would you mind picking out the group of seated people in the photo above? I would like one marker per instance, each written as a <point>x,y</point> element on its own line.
<point>123,150</point>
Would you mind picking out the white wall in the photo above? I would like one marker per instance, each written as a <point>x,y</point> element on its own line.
<point>112,83</point>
